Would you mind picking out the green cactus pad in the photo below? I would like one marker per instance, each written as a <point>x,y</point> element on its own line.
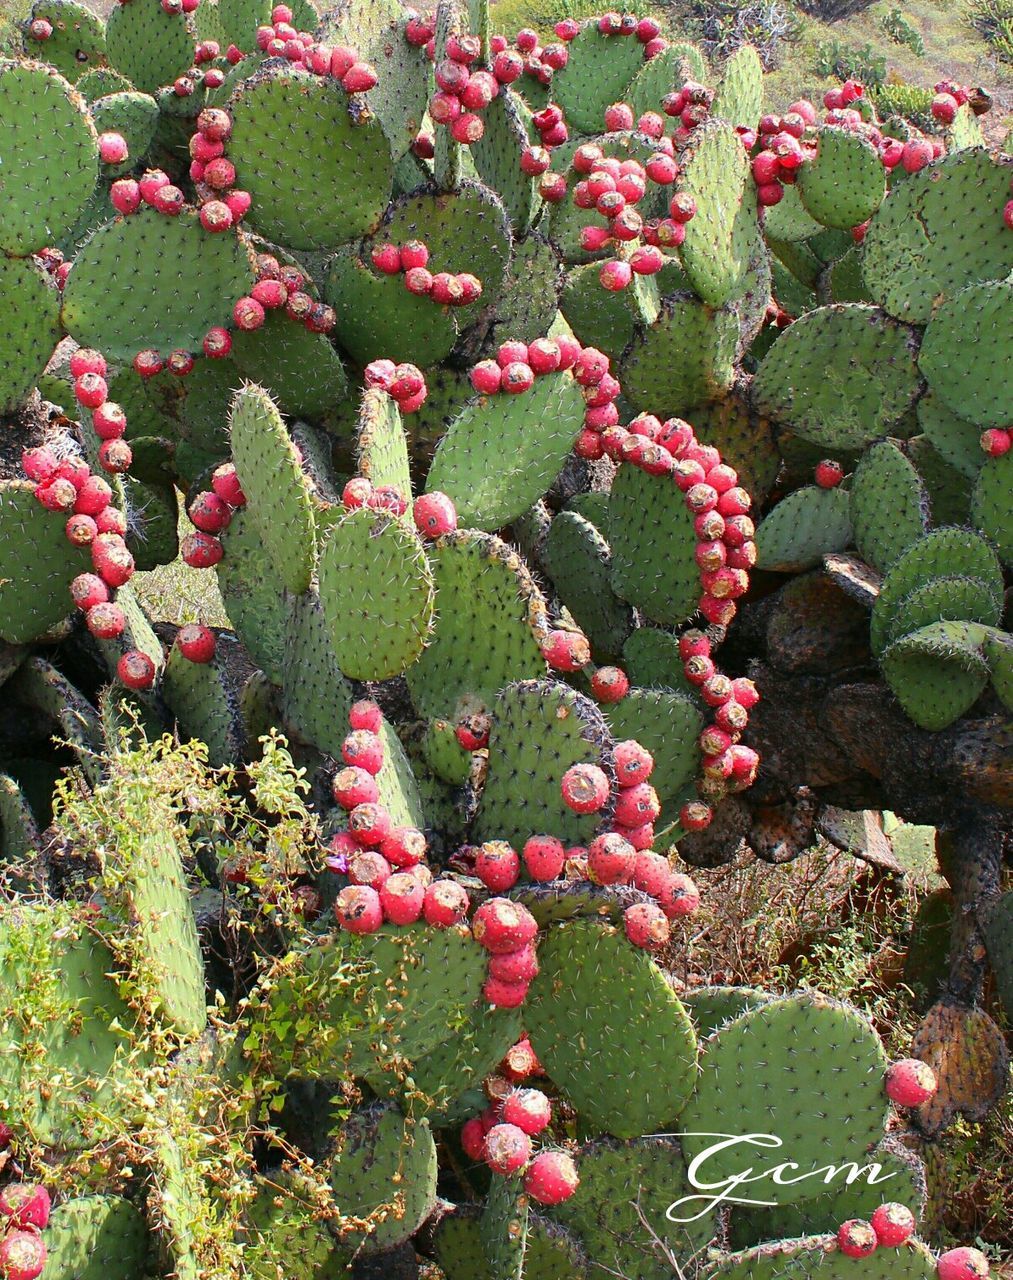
<point>78,41</point>
<point>606,320</point>
<point>99,81</point>
<point>381,450</point>
<point>539,729</point>
<point>598,73</point>
<point>504,451</point>
<point>446,759</point>
<point>133,116</point>
<point>376,589</point>
<point>842,281</point>
<point>42,119</point>
<point>744,439</point>
<point>949,599</point>
<point>954,438</point>
<point>555,903</point>
<point>651,660</point>
<point>656,77</point>
<point>318,175</point>
<point>491,633</point>
<point>578,560</point>
<point>41,688</point>
<point>497,158</point>
<point>942,553</point>
<point>803,528</point>
<point>940,229</point>
<point>383,1173</point>
<point>684,358</point>
<point>990,504</point>
<point>37,564</point>
<point>719,239</point>
<point>998,931</point>
<point>820,1256</point>
<point>19,830</point>
<point>239,19</point>
<point>96,1238</point>
<point>965,349</point>
<point>711,1007</point>
<point>627,1061</point>
<point>668,725</point>
<point>622,1185</point>
<point>937,672</point>
<point>316,695</point>
<point>275,485</point>
<point>207,24</point>
<point>653,546</point>
<point>739,97</point>
<point>788,220</point>
<point>831,1113</point>
<point>504,1227</point>
<point>206,706</point>
<point>65,1039</point>
<point>889,505</point>
<point>149,46</point>
<point>527,305</point>
<point>280,1223</point>
<point>803,383</point>
<point>843,185</point>
<point>551,1253</point>
<point>300,368</point>
<point>29,328</point>
<point>375,29</point>
<point>253,594</point>
<point>194,275</point>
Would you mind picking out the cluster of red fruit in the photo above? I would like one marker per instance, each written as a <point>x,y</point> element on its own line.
<point>278,288</point>
<point>412,258</point>
<point>210,512</point>
<point>462,92</point>
<point>949,98</point>
<point>24,1215</point>
<point>213,173</point>
<point>52,262</point>
<point>691,106</point>
<point>434,514</point>
<point>646,30</point>
<point>186,85</point>
<point>517,364</point>
<point>404,383</point>
<point>281,40</point>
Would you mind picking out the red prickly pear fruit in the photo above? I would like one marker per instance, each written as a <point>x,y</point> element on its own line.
<point>544,857</point>
<point>105,621</point>
<point>365,714</point>
<point>472,733</point>
<point>168,200</point>
<point>507,1149</point>
<point>434,515</point>
<point>380,374</point>
<point>646,925</point>
<point>386,498</point>
<point>22,1255</point>
<point>520,1062</point>
<point>910,1082</point>
<point>112,560</point>
<point>585,788</point>
<point>1007,214</point>
<point>85,360</point>
<point>611,859</point>
<point>148,363</point>
<point>408,381</point>
<point>507,66</point>
<point>81,530</point>
<point>91,390</point>
<point>359,78</point>
<point>368,824</point>
<point>829,474</point>
<point>566,650</point>
<point>515,966</point>
<point>39,464</point>
<point>964,1263</point>
<point>529,1109</point>
<point>112,148</point>
<point>215,216</point>
<point>76,470</point>
<point>615,275</point>
<point>500,925</point>
<point>856,1238</point>
<point>567,29</point>
<point>136,670</point>
<point>916,155</point>
<point>196,643</point>
<point>353,786</point>
<point>364,749</point>
<point>680,897</point>
<point>111,520</point>
<point>618,116</point>
<point>446,903</point>
<point>473,1138</point>
<point>271,294</point>
<point>551,1177</point>
<point>357,493</point>
<point>745,692</point>
<point>526,40</point>
<point>357,909</point>
<point>200,550</point>
<point>637,804</point>
<point>486,377</point>
<point>25,1204</point>
<point>57,494</point>
<point>115,456</point>
<point>404,847</point>
<point>640,838</point>
<point>219,174</point>
<point>996,442</point>
<point>543,356</point>
<point>387,259</point>
<point>419,281</point>
<point>497,865</point>
<point>217,343</point>
<point>209,513</point>
<point>893,1224</point>
<point>248,314</point>
<point>151,183</point>
<point>651,872</point>
<point>40,29</point>
<point>944,108</point>
<point>633,763</point>
<point>467,128</point>
<point>535,161</point>
<point>402,898</point>
<point>225,483</point>
<point>517,378</point>
<point>109,421</point>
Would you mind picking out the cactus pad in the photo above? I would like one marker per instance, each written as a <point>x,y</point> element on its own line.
<point>280,1223</point>
<point>578,560</point>
<point>149,46</point>
<point>606,320</point>
<point>889,507</point>
<point>598,71</point>
<point>376,589</point>
<point>998,931</point>
<point>653,544</point>
<point>711,1007</point>
<point>684,358</point>
<point>504,1228</point>
<point>719,240</point>
<point>965,349</point>
<point>318,175</point>
<point>77,45</point>
<point>668,725</point>
<point>990,504</point>
<point>29,328</point>
<point>948,599</point>
<point>300,368</point>
<point>42,118</point>
<point>132,115</point>
<point>539,729</point>
<point>825,1117</point>
<point>381,452</point>
<point>739,97</point>
<point>496,156</point>
<point>550,1253</point>
<point>807,388</point>
<point>938,672</point>
<point>954,438</point>
<point>744,439</point>
<point>275,485</point>
<point>504,451</point>
<point>460,1063</point>
<point>316,696</point>
<point>196,277</point>
<point>938,232</point>
<point>627,1061</point>
<point>491,633</point>
<point>202,699</point>
<point>253,594</point>
<point>37,564</point>
<point>843,185</point>
<point>819,1256</point>
<point>96,1238</point>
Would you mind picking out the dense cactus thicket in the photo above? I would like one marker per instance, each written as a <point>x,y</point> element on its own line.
<point>597,473</point>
